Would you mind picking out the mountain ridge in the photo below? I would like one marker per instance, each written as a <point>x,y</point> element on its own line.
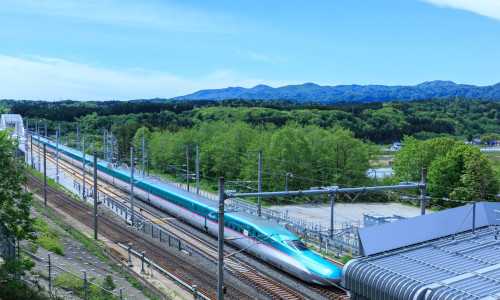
<point>311,92</point>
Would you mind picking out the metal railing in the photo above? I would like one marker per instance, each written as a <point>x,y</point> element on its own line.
<point>344,239</point>
<point>146,227</point>
<point>7,246</point>
<point>51,276</point>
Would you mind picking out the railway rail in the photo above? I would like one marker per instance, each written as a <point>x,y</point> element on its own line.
<point>266,284</point>
<point>117,233</point>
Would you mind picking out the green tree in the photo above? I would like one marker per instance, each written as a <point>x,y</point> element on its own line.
<point>14,208</point>
<point>455,170</point>
<point>489,137</point>
<point>478,182</point>
<point>416,155</point>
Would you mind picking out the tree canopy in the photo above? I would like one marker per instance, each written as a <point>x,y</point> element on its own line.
<point>14,205</point>
<point>456,171</point>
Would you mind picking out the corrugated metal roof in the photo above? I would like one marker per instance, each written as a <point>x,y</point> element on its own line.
<point>461,266</point>
<point>423,228</point>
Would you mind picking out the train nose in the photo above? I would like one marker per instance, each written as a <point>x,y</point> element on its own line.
<point>335,276</point>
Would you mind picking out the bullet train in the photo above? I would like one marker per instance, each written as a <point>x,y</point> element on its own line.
<point>260,237</point>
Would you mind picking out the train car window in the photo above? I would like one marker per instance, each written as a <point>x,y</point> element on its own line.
<point>298,245</point>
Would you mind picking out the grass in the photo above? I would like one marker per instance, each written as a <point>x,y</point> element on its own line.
<point>48,237</point>
<point>31,247</point>
<point>345,259</point>
<point>97,248</point>
<point>71,283</point>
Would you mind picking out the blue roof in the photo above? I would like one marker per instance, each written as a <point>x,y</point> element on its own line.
<point>423,228</point>
<point>452,263</point>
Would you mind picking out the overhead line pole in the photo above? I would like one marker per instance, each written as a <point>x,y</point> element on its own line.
<point>187,167</point>
<point>77,138</point>
<point>95,195</point>
<point>259,176</point>
<point>220,262</point>
<point>105,144</point>
<point>39,160</point>
<point>132,184</point>
<point>44,175</point>
<point>83,161</point>
<point>197,168</point>
<point>143,153</point>
<point>31,137</point>
<point>423,191</point>
<point>27,134</point>
<point>147,159</point>
<point>332,224</point>
<point>57,154</point>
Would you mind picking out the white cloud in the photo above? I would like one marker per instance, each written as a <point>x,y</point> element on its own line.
<point>489,8</point>
<point>42,78</point>
<point>156,15</point>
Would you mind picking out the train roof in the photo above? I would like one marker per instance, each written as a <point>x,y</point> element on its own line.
<point>240,216</point>
<point>262,224</point>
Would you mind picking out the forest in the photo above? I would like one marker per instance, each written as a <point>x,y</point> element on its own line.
<point>318,144</point>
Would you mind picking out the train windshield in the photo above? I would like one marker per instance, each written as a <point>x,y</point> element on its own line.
<point>298,245</point>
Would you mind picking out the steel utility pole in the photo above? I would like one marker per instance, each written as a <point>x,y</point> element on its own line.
<point>31,137</point>
<point>95,195</point>
<point>45,128</point>
<point>77,138</point>
<point>259,198</point>
<point>26,152</point>
<point>57,156</point>
<point>105,144</point>
<point>44,175</point>
<point>147,159</point>
<point>83,161</point>
<point>187,167</point>
<point>38,142</point>
<point>143,153</point>
<point>197,168</point>
<point>112,148</point>
<point>423,191</point>
<point>132,185</point>
<point>332,199</point>
<point>220,263</point>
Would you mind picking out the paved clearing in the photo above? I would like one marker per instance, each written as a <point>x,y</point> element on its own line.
<point>347,212</point>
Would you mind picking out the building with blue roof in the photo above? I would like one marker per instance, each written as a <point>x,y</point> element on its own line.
<point>453,254</point>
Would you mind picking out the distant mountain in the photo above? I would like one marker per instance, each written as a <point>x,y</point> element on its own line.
<point>310,92</point>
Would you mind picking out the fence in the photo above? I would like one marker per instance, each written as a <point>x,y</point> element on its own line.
<point>8,251</point>
<point>89,288</point>
<point>154,231</point>
<point>7,246</point>
<point>344,239</point>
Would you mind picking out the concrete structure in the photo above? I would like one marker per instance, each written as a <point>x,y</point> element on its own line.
<point>13,121</point>
<point>453,254</point>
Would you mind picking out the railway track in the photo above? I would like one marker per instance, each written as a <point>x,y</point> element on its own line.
<point>266,284</point>
<point>116,232</point>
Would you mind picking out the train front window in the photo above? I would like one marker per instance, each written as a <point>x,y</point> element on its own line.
<point>298,245</point>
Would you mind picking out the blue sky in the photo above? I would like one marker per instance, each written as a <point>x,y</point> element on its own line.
<point>128,49</point>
